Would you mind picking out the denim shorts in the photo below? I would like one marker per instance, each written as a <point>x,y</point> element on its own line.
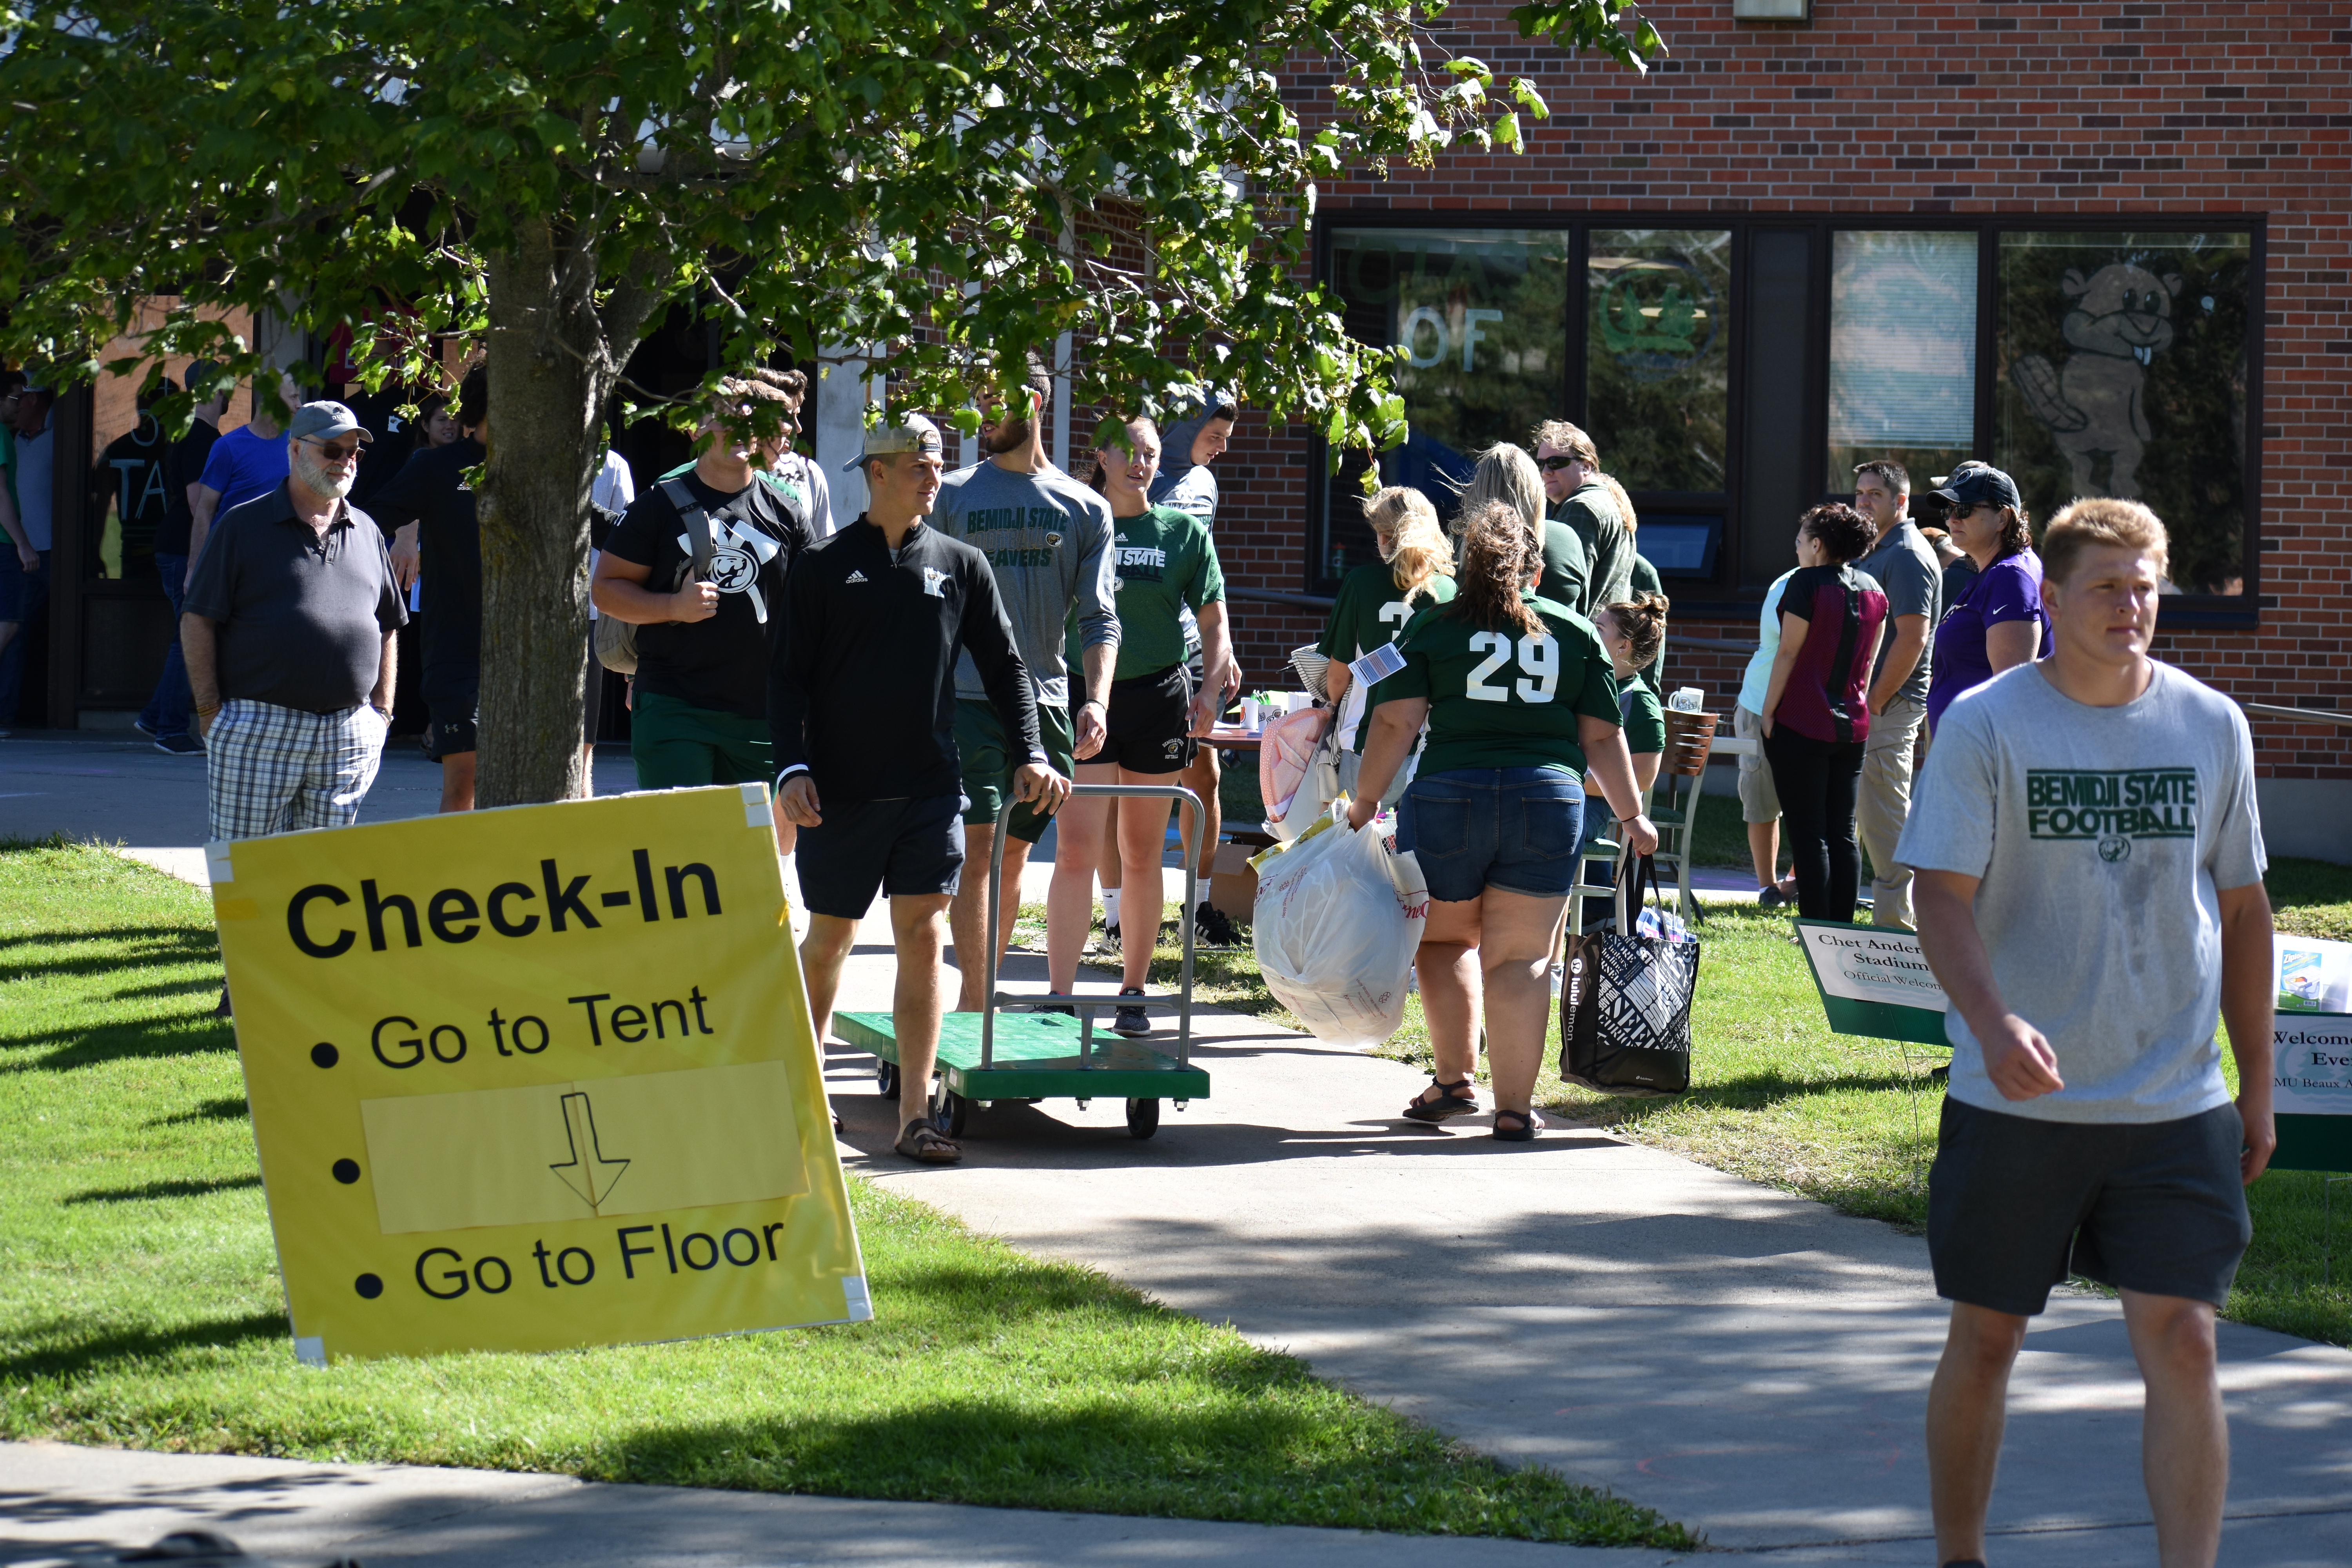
<point>1513,828</point>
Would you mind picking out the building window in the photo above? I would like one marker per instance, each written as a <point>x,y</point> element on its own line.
<point>1733,375</point>
<point>2122,371</point>
<point>1657,356</point>
<point>1481,316</point>
<point>1902,340</point>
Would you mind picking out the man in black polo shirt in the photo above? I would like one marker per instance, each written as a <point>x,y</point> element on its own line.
<point>429,507</point>
<point>287,631</point>
<point>862,715</point>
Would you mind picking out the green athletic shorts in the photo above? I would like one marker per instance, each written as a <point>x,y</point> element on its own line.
<point>677,746</point>
<point>989,757</point>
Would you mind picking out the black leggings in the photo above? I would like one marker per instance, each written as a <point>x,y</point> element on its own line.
<point>1817,781</point>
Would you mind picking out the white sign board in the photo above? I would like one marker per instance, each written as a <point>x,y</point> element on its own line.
<point>2315,1064</point>
<point>1865,963</point>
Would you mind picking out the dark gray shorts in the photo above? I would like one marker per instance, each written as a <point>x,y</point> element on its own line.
<point>2015,1206</point>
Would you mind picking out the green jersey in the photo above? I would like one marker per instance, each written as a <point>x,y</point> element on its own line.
<point>1165,559</point>
<point>1645,715</point>
<point>1369,612</point>
<point>1591,510</point>
<point>1504,698</point>
<point>1565,566</point>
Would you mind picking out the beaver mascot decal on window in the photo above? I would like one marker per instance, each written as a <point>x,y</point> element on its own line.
<point>2121,321</point>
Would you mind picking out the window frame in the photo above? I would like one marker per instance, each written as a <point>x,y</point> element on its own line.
<point>1722,598</point>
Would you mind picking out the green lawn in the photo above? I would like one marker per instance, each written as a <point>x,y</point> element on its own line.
<point>1777,1099</point>
<point>139,1306</point>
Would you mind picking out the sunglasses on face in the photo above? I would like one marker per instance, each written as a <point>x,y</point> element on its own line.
<point>1555,462</point>
<point>334,451</point>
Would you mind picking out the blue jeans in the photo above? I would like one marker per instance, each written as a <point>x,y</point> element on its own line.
<point>22,595</point>
<point>166,713</point>
<point>1512,828</point>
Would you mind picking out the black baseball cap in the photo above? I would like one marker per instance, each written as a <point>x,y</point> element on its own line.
<point>1976,484</point>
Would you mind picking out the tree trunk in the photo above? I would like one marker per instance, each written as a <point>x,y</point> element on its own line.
<point>553,365</point>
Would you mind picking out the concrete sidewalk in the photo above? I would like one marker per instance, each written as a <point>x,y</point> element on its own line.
<point>62,1505</point>
<point>1749,1364</point>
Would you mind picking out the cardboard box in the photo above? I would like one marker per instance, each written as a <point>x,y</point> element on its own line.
<point>1232,883</point>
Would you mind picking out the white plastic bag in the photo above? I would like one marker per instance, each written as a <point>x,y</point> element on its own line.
<point>1339,917</point>
<point>1298,771</point>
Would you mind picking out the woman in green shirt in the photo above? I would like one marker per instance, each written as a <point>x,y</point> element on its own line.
<point>1520,704</point>
<point>1415,571</point>
<point>1166,559</point>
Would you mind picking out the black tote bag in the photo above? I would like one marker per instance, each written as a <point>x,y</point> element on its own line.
<point>1624,1013</point>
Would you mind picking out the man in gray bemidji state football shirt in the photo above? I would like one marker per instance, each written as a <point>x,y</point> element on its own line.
<point>1048,539</point>
<point>2089,891</point>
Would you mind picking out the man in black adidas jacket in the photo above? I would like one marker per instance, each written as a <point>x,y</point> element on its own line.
<point>861,715</point>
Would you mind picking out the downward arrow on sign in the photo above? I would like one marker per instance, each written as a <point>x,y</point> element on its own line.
<point>590,1174</point>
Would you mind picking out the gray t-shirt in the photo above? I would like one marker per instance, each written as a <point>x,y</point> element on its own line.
<point>1047,539</point>
<point>2103,836</point>
<point>1905,565</point>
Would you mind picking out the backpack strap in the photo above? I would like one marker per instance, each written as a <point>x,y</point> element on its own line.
<point>697,529</point>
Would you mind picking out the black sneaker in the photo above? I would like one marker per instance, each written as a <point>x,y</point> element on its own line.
<point>1055,1004</point>
<point>1212,929</point>
<point>180,745</point>
<point>1771,898</point>
<point>146,728</point>
<point>1132,1022</point>
<point>1107,943</point>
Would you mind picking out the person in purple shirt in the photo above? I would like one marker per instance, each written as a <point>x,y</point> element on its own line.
<point>1998,621</point>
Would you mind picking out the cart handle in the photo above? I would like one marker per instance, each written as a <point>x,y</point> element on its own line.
<point>1192,886</point>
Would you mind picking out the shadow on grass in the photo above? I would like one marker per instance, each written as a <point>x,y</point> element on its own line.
<point>149,1190</point>
<point>1249,1450</point>
<point>233,1108</point>
<point>134,946</point>
<point>185,1036</point>
<point>69,1348</point>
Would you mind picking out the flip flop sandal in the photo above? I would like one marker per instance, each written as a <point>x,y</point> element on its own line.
<point>926,1145</point>
<point>1454,1101</point>
<point>1530,1124</point>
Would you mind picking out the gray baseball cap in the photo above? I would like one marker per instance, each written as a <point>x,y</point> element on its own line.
<point>912,434</point>
<point>314,420</point>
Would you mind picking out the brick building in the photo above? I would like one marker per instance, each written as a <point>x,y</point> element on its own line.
<point>2105,247</point>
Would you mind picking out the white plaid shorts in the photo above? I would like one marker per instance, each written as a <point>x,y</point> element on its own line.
<point>273,770</point>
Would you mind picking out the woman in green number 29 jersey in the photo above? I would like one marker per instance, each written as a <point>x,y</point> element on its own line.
<point>1521,704</point>
<point>1415,571</point>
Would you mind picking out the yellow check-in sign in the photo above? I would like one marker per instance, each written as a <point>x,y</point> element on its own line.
<point>535,1079</point>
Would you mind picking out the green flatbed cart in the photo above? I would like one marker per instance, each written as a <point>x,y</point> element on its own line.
<point>1030,1054</point>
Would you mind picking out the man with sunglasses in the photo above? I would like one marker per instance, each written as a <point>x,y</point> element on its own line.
<point>287,630</point>
<point>1571,481</point>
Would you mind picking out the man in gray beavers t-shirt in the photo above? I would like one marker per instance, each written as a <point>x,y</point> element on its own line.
<point>1906,568</point>
<point>1048,539</point>
<point>2089,888</point>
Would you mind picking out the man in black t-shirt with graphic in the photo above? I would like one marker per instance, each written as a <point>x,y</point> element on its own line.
<point>862,706</point>
<point>699,715</point>
<point>429,506</point>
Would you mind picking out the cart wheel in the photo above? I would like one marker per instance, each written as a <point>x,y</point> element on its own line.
<point>886,1079</point>
<point>1142,1117</point>
<point>951,1111</point>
